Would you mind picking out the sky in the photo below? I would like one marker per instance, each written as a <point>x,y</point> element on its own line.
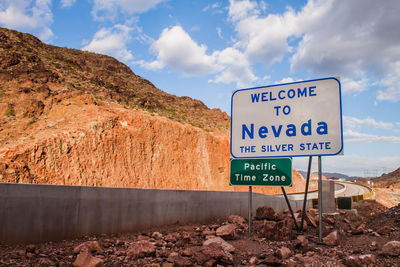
<point>207,49</point>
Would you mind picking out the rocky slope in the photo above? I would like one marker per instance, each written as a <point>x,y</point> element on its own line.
<point>77,118</point>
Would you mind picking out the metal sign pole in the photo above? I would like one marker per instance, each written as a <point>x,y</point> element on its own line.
<point>320,197</point>
<point>250,209</point>
<point>305,193</point>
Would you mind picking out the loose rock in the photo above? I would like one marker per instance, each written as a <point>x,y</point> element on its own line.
<point>392,248</point>
<point>332,239</point>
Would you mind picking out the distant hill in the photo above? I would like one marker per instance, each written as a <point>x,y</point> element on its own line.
<point>333,175</point>
<point>391,179</point>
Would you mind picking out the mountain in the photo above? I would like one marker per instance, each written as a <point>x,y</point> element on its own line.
<point>72,117</point>
<point>388,180</point>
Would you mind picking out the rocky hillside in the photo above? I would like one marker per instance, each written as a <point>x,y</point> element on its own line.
<point>78,118</point>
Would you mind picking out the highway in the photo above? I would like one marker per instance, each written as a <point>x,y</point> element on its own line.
<point>352,190</point>
<point>341,190</point>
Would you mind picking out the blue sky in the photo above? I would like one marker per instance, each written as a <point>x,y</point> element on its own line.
<point>206,49</point>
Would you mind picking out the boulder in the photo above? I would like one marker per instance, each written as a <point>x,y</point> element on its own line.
<point>212,253</point>
<point>92,246</point>
<point>227,231</point>
<point>225,245</point>
<point>140,249</point>
<point>282,230</point>
<point>180,261</point>
<point>238,220</point>
<point>361,260</point>
<point>85,259</point>
<point>265,213</point>
<point>391,248</point>
<point>284,253</point>
<point>331,239</point>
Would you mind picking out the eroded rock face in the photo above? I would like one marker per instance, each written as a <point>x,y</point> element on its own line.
<point>71,117</point>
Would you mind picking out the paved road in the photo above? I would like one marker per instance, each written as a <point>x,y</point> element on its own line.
<point>352,190</point>
<point>349,190</point>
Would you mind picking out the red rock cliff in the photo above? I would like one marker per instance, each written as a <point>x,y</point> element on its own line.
<point>76,118</point>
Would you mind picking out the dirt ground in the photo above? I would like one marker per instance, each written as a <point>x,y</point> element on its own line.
<point>362,235</point>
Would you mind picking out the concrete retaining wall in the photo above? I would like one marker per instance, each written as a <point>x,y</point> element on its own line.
<point>38,213</point>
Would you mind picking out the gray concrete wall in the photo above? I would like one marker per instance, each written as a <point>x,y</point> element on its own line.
<point>37,213</point>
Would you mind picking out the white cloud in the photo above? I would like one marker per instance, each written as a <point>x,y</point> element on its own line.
<point>285,80</point>
<point>241,9</point>
<point>67,3</point>
<point>362,39</point>
<point>219,32</point>
<point>28,15</point>
<point>354,123</point>
<point>351,136</point>
<point>214,7</point>
<point>112,41</point>
<point>236,68</point>
<point>264,39</point>
<point>109,9</point>
<point>392,86</point>
<point>350,86</point>
<point>177,50</point>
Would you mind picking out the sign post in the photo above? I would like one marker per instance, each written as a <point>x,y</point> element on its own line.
<point>285,120</point>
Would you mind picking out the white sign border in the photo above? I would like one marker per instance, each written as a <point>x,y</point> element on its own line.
<point>340,152</point>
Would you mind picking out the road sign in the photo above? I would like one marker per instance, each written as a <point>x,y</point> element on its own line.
<point>294,119</point>
<point>261,172</point>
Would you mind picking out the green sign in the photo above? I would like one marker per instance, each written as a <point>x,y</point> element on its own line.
<point>261,172</point>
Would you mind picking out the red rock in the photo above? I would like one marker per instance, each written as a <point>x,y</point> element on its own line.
<point>21,252</point>
<point>253,260</point>
<point>284,253</point>
<point>187,253</point>
<point>331,239</point>
<point>352,261</point>
<point>303,240</point>
<point>373,246</point>
<point>30,248</point>
<point>213,251</point>
<point>85,259</point>
<point>270,261</point>
<point>359,230</point>
<point>392,248</point>
<point>30,255</point>
<point>268,226</point>
<point>210,263</point>
<point>361,260</point>
<point>384,230</point>
<point>265,213</point>
<point>172,256</point>
<point>227,231</point>
<point>368,259</point>
<point>218,240</point>
<point>141,249</point>
<point>45,262</point>
<point>92,246</point>
<point>282,230</point>
<point>167,264</point>
<point>157,235</point>
<point>238,220</point>
<point>208,233</point>
<point>310,219</point>
<point>182,262</point>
